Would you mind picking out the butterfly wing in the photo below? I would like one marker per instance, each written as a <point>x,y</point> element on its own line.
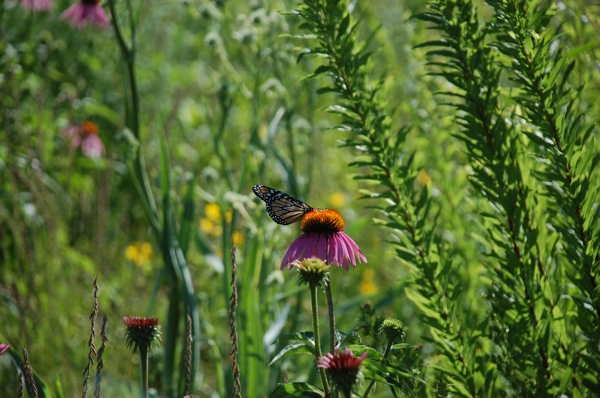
<point>282,208</point>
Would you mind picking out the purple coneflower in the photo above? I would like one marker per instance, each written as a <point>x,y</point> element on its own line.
<point>342,369</point>
<point>323,238</point>
<point>86,136</point>
<point>84,12</point>
<point>141,334</point>
<point>37,5</point>
<point>3,348</point>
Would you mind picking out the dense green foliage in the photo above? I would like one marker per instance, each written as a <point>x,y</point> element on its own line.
<point>469,132</point>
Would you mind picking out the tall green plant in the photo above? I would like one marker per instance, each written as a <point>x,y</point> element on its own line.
<point>405,205</point>
<point>535,188</point>
<point>182,300</point>
<point>566,143</point>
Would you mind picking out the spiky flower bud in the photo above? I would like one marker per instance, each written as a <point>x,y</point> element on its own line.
<point>312,271</point>
<point>141,332</point>
<point>393,329</point>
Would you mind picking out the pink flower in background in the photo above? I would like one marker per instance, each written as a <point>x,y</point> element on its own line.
<point>3,348</point>
<point>86,137</point>
<point>84,12</point>
<point>323,238</point>
<point>37,5</point>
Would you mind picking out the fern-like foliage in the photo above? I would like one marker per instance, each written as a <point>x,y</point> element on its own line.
<point>533,156</point>
<point>392,173</point>
<point>566,146</point>
<point>535,203</point>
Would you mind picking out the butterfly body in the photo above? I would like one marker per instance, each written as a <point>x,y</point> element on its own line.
<point>282,208</point>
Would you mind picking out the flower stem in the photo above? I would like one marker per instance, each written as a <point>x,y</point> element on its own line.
<point>144,363</point>
<point>388,349</point>
<point>331,316</point>
<point>315,313</point>
<point>132,111</point>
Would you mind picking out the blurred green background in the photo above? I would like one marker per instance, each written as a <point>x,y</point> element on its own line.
<point>220,82</point>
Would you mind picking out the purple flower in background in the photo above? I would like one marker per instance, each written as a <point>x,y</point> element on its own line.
<point>3,348</point>
<point>37,5</point>
<point>323,238</point>
<point>84,12</point>
<point>86,136</point>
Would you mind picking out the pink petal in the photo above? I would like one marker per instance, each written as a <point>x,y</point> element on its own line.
<point>343,251</point>
<point>37,5</point>
<point>80,14</point>
<point>92,146</point>
<point>322,253</point>
<point>309,248</point>
<point>290,254</point>
<point>332,250</point>
<point>340,251</point>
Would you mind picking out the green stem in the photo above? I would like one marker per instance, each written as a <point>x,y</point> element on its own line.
<point>388,349</point>
<point>313,300</point>
<point>132,106</point>
<point>144,363</point>
<point>331,316</point>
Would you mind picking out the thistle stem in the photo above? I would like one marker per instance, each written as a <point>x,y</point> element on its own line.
<point>388,349</point>
<point>315,314</point>
<point>144,363</point>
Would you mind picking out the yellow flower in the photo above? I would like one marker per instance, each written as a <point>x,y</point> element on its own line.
<point>140,253</point>
<point>228,215</point>
<point>238,238</point>
<point>423,177</point>
<point>366,285</point>
<point>337,200</point>
<point>213,212</point>
<point>209,227</point>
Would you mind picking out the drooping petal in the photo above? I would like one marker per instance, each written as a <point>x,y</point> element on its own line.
<point>305,246</point>
<point>98,17</point>
<point>341,251</point>
<point>353,247</point>
<point>92,146</point>
<point>37,5</point>
<point>332,250</point>
<point>348,253</point>
<point>288,255</point>
<point>291,253</point>
<point>322,241</point>
<point>73,134</point>
<point>80,14</point>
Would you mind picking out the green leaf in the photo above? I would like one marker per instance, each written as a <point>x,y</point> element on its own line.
<point>301,348</point>
<point>425,305</point>
<point>186,223</point>
<point>296,390</point>
<point>91,107</point>
<point>303,336</point>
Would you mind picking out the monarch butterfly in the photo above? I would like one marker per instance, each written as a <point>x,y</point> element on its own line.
<point>282,208</point>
